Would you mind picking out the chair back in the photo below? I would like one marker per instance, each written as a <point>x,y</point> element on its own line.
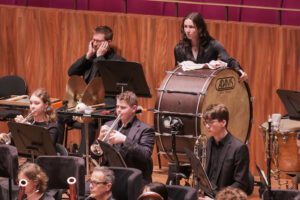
<point>8,169</point>
<point>8,161</point>
<point>60,168</point>
<point>181,192</point>
<point>128,183</point>
<point>12,85</point>
<point>282,194</point>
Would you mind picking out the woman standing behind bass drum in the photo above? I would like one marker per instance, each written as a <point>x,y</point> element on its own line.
<point>198,46</point>
<point>42,113</point>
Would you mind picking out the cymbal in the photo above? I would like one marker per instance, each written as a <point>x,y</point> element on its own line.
<point>94,92</point>
<point>74,90</point>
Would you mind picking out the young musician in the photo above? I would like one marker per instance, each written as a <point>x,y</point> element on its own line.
<point>36,182</point>
<point>99,49</point>
<point>41,113</point>
<point>227,157</point>
<point>198,46</point>
<point>133,138</point>
<point>101,183</point>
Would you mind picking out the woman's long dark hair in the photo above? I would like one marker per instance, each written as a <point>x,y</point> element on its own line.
<point>203,36</point>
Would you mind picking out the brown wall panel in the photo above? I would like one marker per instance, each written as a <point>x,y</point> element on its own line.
<point>40,45</point>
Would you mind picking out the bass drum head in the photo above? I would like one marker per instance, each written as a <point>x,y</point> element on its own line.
<point>225,88</point>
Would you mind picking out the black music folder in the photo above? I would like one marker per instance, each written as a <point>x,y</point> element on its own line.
<point>31,140</point>
<point>112,156</point>
<point>118,76</point>
<point>204,183</point>
<point>291,102</point>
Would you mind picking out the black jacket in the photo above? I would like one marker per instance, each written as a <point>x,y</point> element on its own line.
<point>89,68</point>
<point>212,51</point>
<point>233,167</point>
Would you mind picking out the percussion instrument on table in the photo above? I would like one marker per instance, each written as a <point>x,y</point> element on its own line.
<point>185,95</point>
<point>21,102</point>
<point>284,148</point>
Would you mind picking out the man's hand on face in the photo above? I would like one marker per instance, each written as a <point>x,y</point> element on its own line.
<point>91,50</point>
<point>104,47</point>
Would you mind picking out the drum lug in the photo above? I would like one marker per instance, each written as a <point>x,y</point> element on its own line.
<point>285,138</point>
<point>252,99</point>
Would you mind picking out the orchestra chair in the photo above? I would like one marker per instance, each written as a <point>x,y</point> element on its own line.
<point>181,192</point>
<point>282,194</point>
<point>128,183</point>
<point>11,85</point>
<point>9,169</point>
<point>59,169</point>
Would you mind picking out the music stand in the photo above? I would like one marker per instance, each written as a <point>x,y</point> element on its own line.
<point>119,76</point>
<point>204,183</point>
<point>113,157</point>
<point>30,140</point>
<point>291,102</point>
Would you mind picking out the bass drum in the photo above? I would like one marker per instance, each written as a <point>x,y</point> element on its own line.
<point>185,95</point>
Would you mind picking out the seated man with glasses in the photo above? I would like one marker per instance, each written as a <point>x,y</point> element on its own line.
<point>99,49</point>
<point>101,183</point>
<point>227,157</point>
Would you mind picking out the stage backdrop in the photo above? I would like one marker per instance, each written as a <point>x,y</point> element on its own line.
<point>40,44</point>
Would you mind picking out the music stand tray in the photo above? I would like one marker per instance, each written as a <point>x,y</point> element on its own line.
<point>31,140</point>
<point>119,76</point>
<point>204,183</point>
<point>112,155</point>
<point>291,102</point>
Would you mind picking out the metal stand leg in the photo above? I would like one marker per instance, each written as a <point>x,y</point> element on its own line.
<point>87,154</point>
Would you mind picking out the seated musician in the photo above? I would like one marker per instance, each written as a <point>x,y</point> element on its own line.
<point>101,183</point>
<point>231,193</point>
<point>154,191</point>
<point>36,182</point>
<point>41,113</point>
<point>99,49</point>
<point>133,138</point>
<point>227,157</point>
<point>198,46</point>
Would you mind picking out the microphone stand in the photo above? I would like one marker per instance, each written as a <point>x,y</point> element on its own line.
<point>176,125</point>
<point>269,155</point>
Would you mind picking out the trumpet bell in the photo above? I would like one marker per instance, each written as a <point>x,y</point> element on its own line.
<point>5,138</point>
<point>96,150</point>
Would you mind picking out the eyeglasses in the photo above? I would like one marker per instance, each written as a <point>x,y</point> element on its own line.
<point>94,183</point>
<point>98,41</point>
<point>209,122</point>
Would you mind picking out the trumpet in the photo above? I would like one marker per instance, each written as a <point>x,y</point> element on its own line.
<point>112,127</point>
<point>96,148</point>
<point>72,187</point>
<point>22,184</point>
<point>5,138</point>
<point>28,117</point>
